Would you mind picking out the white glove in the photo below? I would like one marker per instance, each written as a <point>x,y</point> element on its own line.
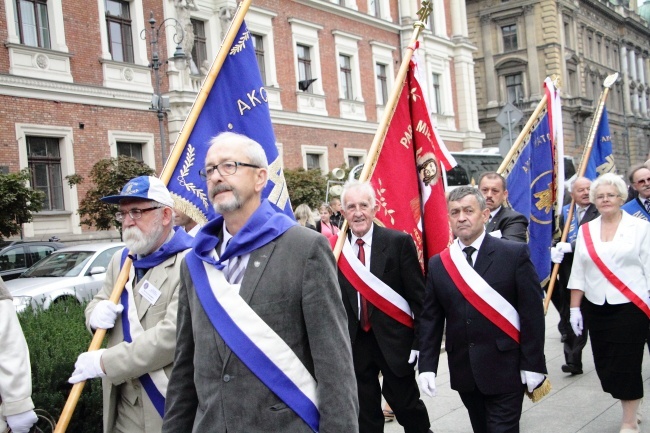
<point>531,379</point>
<point>575,318</point>
<point>427,382</point>
<point>22,422</point>
<point>413,358</point>
<point>104,315</point>
<point>556,255</point>
<point>88,366</point>
<point>565,247</point>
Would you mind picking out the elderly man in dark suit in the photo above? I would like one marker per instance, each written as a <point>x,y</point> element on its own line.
<point>562,253</point>
<point>494,353</point>
<point>503,222</point>
<point>261,343</point>
<point>380,342</point>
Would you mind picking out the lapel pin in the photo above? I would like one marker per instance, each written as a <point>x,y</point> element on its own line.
<point>256,264</point>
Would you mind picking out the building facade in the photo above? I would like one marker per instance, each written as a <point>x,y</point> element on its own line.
<point>521,42</point>
<point>76,84</point>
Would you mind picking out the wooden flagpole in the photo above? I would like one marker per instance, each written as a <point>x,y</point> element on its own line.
<point>522,135</point>
<point>168,169</point>
<point>609,81</point>
<point>378,141</point>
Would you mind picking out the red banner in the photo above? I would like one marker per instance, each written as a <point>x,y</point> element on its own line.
<point>407,177</point>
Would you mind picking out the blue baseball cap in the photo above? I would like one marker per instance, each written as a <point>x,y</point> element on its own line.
<point>145,188</point>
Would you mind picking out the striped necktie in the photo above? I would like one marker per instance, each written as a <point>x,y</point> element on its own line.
<point>234,271</point>
<point>647,205</point>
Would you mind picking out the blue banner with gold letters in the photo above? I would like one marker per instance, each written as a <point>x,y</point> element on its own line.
<point>237,102</point>
<point>530,183</point>
<point>601,159</point>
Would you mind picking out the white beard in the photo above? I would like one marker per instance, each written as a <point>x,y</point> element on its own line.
<point>139,243</point>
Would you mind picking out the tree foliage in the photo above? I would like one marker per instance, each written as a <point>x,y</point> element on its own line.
<point>17,202</point>
<point>306,186</point>
<point>108,177</point>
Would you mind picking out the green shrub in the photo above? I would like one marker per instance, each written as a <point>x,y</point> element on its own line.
<point>55,338</point>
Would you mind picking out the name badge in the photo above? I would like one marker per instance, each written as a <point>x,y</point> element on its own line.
<point>149,292</point>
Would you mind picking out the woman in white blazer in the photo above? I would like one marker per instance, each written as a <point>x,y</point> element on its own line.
<point>616,307</point>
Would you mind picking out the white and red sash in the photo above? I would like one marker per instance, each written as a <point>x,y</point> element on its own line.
<point>612,272</point>
<point>478,292</point>
<point>373,289</point>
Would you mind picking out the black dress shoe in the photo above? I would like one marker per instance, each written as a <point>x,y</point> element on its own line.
<point>571,368</point>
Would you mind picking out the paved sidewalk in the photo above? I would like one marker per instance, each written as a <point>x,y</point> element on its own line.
<point>576,404</point>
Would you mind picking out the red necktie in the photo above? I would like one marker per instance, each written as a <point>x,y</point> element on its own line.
<point>364,320</point>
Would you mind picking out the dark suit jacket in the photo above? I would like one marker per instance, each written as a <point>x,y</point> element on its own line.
<point>564,272</point>
<point>512,224</point>
<point>291,284</point>
<point>480,354</point>
<point>394,259</point>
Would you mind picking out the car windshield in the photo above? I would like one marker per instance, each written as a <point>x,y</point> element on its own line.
<point>60,264</point>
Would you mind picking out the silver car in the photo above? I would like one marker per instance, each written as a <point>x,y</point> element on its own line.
<point>77,271</point>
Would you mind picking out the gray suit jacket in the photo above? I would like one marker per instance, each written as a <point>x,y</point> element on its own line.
<point>291,284</point>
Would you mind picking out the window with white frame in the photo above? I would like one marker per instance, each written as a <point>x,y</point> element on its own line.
<point>310,97</point>
<point>32,22</point>
<point>304,68</point>
<point>436,98</point>
<point>118,23</point>
<point>382,56</point>
<point>379,9</point>
<point>138,145</point>
<point>200,62</point>
<point>258,44</point>
<point>315,158</point>
<point>44,161</point>
<point>47,151</point>
<point>382,83</point>
<point>345,76</point>
<point>354,157</point>
<point>347,52</point>
<point>35,38</point>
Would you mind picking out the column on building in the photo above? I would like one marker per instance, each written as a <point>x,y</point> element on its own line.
<point>488,62</point>
<point>531,51</point>
<point>641,73</point>
<point>626,79</point>
<point>633,77</point>
<point>458,20</point>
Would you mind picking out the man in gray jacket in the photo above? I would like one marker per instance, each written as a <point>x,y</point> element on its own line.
<point>261,342</point>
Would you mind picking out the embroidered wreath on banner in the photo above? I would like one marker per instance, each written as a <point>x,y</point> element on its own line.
<point>382,202</point>
<point>241,44</point>
<point>185,171</point>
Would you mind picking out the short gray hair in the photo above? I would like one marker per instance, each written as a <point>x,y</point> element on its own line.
<point>463,191</point>
<point>608,179</point>
<point>364,187</point>
<point>254,151</point>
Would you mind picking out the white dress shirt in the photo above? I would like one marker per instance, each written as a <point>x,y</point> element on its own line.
<point>367,244</point>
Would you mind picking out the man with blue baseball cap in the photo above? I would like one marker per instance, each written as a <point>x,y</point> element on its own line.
<point>137,363</point>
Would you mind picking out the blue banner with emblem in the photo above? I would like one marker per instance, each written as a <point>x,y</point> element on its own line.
<point>531,190</point>
<point>237,102</point>
<point>601,159</point>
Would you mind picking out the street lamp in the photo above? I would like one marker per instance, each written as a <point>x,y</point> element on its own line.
<point>159,103</point>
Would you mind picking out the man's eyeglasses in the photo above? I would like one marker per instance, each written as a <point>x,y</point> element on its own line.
<point>643,181</point>
<point>135,214</point>
<point>226,168</point>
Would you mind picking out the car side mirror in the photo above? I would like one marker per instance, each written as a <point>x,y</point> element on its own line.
<point>97,270</point>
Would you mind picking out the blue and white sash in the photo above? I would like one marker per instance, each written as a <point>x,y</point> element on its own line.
<point>636,209</point>
<point>258,346</point>
<point>573,227</point>
<point>155,382</point>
